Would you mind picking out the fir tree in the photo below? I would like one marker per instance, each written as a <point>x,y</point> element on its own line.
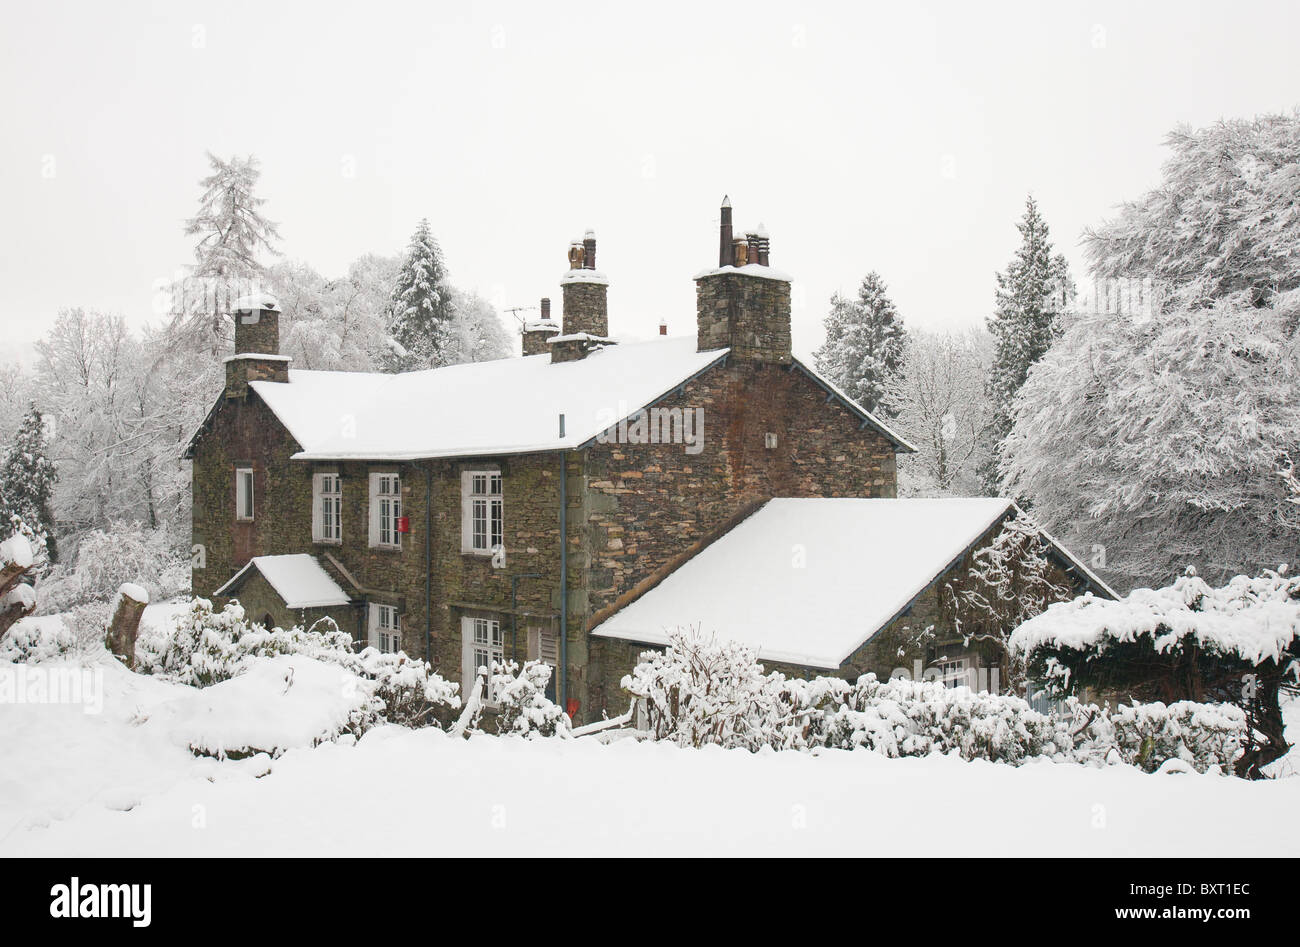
<point>422,306</point>
<point>27,480</point>
<point>865,344</point>
<point>1031,293</point>
<point>232,232</point>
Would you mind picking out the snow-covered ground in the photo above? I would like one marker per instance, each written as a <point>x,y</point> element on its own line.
<point>122,782</point>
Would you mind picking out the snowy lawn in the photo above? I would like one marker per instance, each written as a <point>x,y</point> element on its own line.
<point>77,784</point>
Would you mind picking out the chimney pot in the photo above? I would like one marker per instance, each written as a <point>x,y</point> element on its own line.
<point>740,252</point>
<point>546,309</point>
<point>725,253</point>
<point>589,250</point>
<point>663,326</point>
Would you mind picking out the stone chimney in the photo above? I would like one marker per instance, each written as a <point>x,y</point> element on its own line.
<point>257,345</point>
<point>744,304</point>
<point>538,332</point>
<point>585,306</point>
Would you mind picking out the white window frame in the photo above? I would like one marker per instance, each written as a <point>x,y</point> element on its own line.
<point>385,509</point>
<point>482,511</point>
<point>385,628</point>
<point>482,642</point>
<point>327,507</point>
<point>244,494</point>
<point>954,672</point>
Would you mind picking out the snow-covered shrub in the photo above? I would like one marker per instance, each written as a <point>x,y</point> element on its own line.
<point>915,718</point>
<point>700,691</point>
<point>524,709</point>
<point>125,552</point>
<point>37,639</point>
<point>791,713</point>
<point>411,693</point>
<point>276,704</point>
<point>1149,735</point>
<point>205,647</point>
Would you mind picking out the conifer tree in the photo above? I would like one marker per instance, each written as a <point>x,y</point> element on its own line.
<point>27,479</point>
<point>865,344</point>
<point>422,305</point>
<point>232,234</point>
<point>1031,293</point>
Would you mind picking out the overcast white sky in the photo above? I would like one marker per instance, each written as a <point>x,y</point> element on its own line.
<point>883,136</point>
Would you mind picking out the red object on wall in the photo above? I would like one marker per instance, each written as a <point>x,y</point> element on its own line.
<point>403,524</point>
<point>573,706</point>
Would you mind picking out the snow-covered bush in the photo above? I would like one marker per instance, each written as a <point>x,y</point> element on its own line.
<point>700,691</point>
<point>1149,735</point>
<point>524,708</point>
<point>206,647</point>
<point>37,639</point>
<point>915,718</point>
<point>107,558</point>
<point>276,704</point>
<point>411,693</point>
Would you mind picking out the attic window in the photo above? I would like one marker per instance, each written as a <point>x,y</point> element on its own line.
<point>769,440</point>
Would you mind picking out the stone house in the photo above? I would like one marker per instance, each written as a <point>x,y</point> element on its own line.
<point>504,510</point>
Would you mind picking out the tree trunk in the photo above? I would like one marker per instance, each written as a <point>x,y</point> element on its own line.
<point>122,629</point>
<point>12,613</point>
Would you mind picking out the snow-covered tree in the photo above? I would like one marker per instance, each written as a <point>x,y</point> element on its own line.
<point>476,333</point>
<point>233,234</point>
<point>421,308</point>
<point>1223,220</point>
<point>865,343</point>
<point>229,223</point>
<point>335,324</point>
<point>1159,444</point>
<point>1032,291</point>
<point>1239,644</point>
<point>940,403</point>
<point>27,478</point>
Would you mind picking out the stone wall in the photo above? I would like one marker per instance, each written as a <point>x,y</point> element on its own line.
<point>749,314</point>
<point>585,307</point>
<point>262,336</point>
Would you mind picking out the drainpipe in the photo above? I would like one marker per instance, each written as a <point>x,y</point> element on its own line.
<point>564,580</point>
<point>428,565</point>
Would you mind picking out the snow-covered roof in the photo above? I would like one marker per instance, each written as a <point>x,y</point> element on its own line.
<point>507,406</point>
<point>298,579</point>
<point>807,581</point>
